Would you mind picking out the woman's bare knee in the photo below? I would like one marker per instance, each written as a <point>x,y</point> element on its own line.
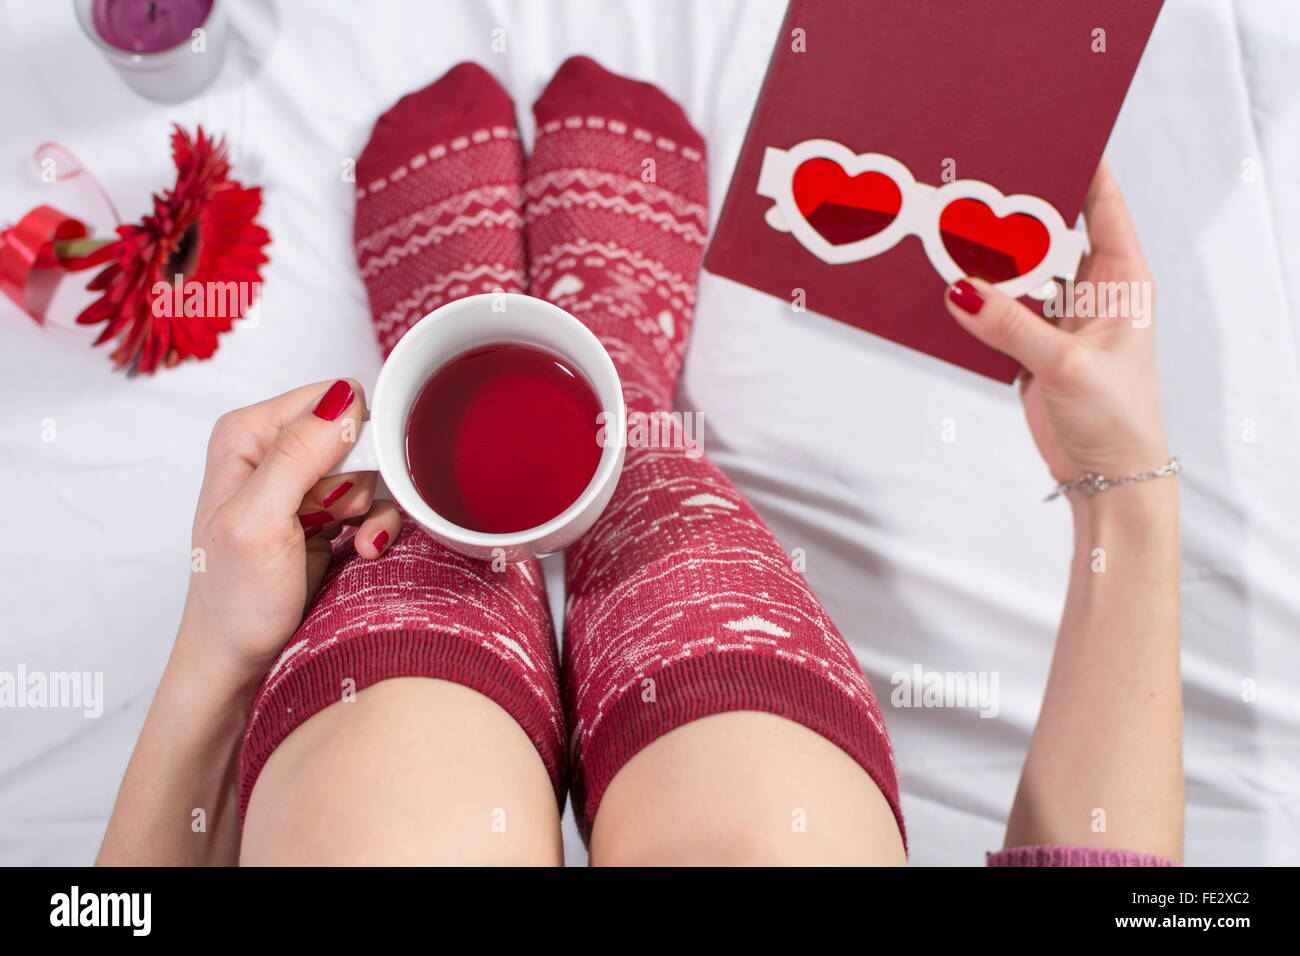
<point>744,788</point>
<point>415,771</point>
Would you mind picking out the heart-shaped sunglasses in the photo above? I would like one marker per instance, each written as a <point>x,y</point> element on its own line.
<point>845,207</point>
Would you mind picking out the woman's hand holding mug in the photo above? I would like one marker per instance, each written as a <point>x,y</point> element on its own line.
<point>272,501</point>
<point>266,517</point>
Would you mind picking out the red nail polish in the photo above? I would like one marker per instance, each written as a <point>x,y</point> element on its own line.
<point>336,494</point>
<point>966,297</point>
<point>313,522</point>
<point>334,402</point>
<point>381,539</point>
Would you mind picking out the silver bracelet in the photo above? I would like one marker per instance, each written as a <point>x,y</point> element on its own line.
<point>1090,483</point>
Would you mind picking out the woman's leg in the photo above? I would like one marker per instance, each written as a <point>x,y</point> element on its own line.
<point>716,713</point>
<point>415,715</point>
<point>692,643</point>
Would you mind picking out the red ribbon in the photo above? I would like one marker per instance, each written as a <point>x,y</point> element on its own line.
<point>30,263</point>
<point>30,266</point>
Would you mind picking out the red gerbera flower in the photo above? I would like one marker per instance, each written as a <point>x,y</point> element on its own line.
<point>202,231</point>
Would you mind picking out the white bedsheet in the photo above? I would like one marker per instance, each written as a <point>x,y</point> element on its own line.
<point>924,550</point>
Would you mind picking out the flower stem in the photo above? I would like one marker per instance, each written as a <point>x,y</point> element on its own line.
<point>77,248</point>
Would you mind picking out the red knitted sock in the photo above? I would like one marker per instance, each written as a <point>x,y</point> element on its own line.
<point>616,219</point>
<point>681,602</point>
<point>438,217</point>
<point>439,200</point>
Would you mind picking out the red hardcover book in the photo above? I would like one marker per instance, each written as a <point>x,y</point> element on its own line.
<point>897,146</point>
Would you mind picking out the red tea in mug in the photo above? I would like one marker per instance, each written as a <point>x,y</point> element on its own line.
<point>503,438</point>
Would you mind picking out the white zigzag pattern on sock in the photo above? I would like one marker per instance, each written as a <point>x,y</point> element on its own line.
<point>565,178</point>
<point>438,232</point>
<point>591,199</point>
<point>488,196</point>
<point>417,300</point>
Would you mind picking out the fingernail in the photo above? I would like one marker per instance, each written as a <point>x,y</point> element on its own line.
<point>313,522</point>
<point>966,297</point>
<point>336,494</point>
<point>381,539</point>
<point>334,402</point>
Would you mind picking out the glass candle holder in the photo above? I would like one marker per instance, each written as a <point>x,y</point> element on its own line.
<point>165,50</point>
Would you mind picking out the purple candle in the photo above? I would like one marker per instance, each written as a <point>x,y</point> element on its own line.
<point>167,50</point>
<point>148,26</point>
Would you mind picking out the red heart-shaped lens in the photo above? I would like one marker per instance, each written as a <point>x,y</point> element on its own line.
<point>989,247</point>
<point>844,208</point>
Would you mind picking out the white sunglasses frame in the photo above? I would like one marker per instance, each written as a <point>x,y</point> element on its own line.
<point>918,215</point>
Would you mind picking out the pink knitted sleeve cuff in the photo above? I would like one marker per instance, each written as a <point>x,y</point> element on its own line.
<point>1071,856</point>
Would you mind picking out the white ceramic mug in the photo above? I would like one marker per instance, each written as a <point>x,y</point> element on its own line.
<point>456,328</point>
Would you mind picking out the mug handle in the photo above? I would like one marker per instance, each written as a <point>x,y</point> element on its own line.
<point>361,457</point>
